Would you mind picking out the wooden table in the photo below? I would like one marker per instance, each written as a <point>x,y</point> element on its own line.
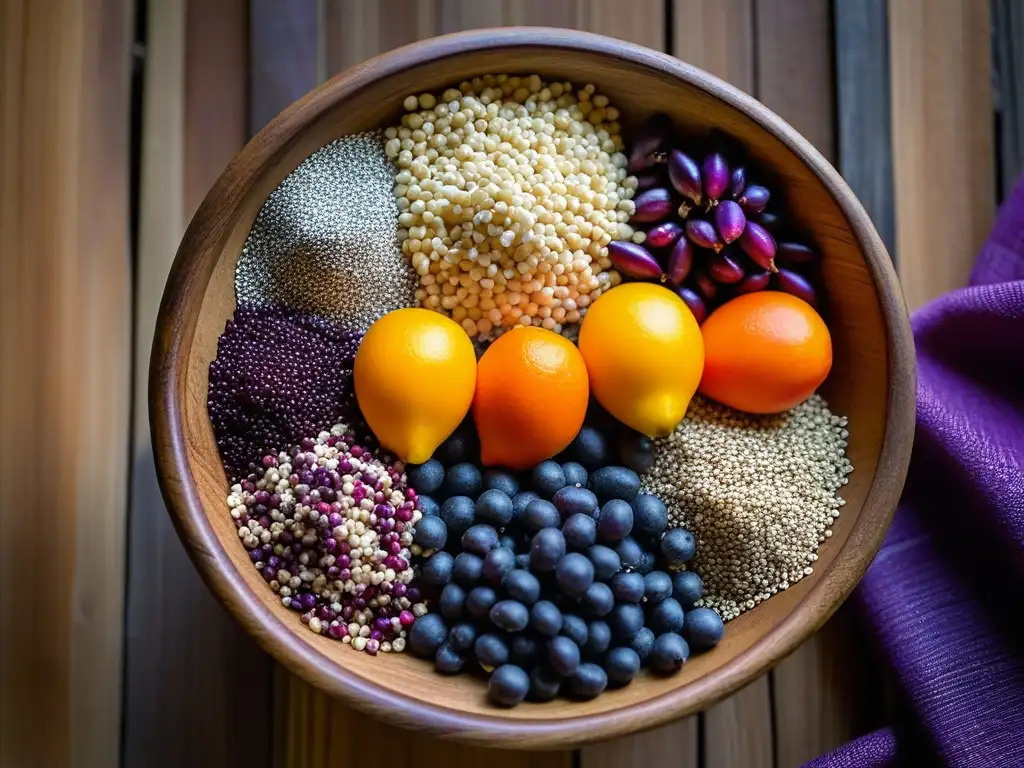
<point>95,197</point>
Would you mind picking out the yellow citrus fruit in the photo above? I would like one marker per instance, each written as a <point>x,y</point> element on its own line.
<point>415,373</point>
<point>531,397</point>
<point>644,354</point>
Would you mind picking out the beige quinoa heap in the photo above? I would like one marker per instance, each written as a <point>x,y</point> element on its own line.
<point>758,492</point>
<point>509,191</point>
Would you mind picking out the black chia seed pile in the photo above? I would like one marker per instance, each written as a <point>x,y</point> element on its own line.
<point>279,376</point>
<point>326,240</point>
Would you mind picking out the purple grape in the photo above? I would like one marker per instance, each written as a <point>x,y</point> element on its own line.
<point>649,141</point>
<point>797,285</point>
<point>754,198</point>
<point>663,235</point>
<point>704,234</point>
<point>715,173</point>
<point>724,269</point>
<point>730,219</point>
<point>753,282</point>
<point>652,205</point>
<point>794,253</point>
<point>707,287</point>
<point>693,300</point>
<point>738,182</point>
<point>680,261</point>
<point>684,175</point>
<point>648,180</point>
<point>759,245</point>
<point>633,260</point>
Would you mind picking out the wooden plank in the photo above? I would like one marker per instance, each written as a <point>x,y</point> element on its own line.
<point>943,149</point>
<point>1008,39</point>
<point>864,115</point>
<point>190,669</point>
<point>65,304</point>
<point>356,30</point>
<point>673,745</point>
<point>286,60</point>
<point>737,733</point>
<point>639,21</point>
<point>717,36</point>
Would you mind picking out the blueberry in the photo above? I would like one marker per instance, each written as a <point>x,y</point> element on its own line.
<point>626,619</point>
<point>430,533</point>
<point>669,653</point>
<point>580,531</point>
<point>507,541</point>
<point>563,655</point>
<point>598,601</point>
<point>463,480</point>
<point>643,643</point>
<point>490,649</point>
<point>544,683</point>
<point>575,474</point>
<point>646,563</point>
<point>540,514</point>
<point>657,586</point>
<point>497,565</point>
<point>574,628</point>
<point>480,600</point>
<point>575,501</point>
<point>615,521</point>
<point>666,616</point>
<point>519,503</point>
<point>524,650</point>
<point>547,478</point>
<point>457,513</point>
<point>508,685</point>
<point>703,628</point>
<point>522,586</point>
<point>427,506</point>
<point>498,480</point>
<point>427,634</point>
<point>650,518</point>
<point>546,618</point>
<point>448,661</point>
<point>589,448</point>
<point>574,574</point>
<point>509,615</point>
<point>523,561</point>
<point>467,569</point>
<point>437,570</point>
<point>678,546</point>
<point>480,539</point>
<point>546,549</point>
<point>606,561</point>
<point>588,681</point>
<point>629,550</point>
<point>494,508</point>
<point>615,483</point>
<point>427,477</point>
<point>453,601</point>
<point>459,447</point>
<point>621,665</point>
<point>599,637</point>
<point>687,588</point>
<point>462,636</point>
<point>636,451</point>
<point>628,587</point>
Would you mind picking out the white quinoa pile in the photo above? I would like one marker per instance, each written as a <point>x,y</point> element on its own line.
<point>509,191</point>
<point>758,492</point>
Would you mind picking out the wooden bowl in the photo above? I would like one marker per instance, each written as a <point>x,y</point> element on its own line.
<point>872,382</point>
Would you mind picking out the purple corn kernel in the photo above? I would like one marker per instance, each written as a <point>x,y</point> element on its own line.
<point>308,601</point>
<point>337,631</point>
<point>724,269</point>
<point>663,235</point>
<point>414,594</point>
<point>694,302</point>
<point>406,618</point>
<point>737,182</point>
<point>704,234</point>
<point>649,141</point>
<point>794,253</point>
<point>754,282</point>
<point>633,260</point>
<point>707,287</point>
<point>685,176</point>
<point>256,554</point>
<point>335,519</point>
<point>730,220</point>
<point>399,590</point>
<point>797,285</point>
<point>652,205</point>
<point>769,221</point>
<point>324,613</point>
<point>268,574</point>
<point>648,180</point>
<point>680,262</point>
<point>759,245</point>
<point>330,544</point>
<point>715,175</point>
<point>754,198</point>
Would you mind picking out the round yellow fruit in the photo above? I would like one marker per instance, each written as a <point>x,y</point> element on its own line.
<point>415,374</point>
<point>644,355</point>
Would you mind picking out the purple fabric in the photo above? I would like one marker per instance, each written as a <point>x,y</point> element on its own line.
<point>946,589</point>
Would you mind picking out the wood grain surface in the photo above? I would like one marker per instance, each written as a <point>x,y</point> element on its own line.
<point>65,303</point>
<point>943,146</point>
<point>190,669</point>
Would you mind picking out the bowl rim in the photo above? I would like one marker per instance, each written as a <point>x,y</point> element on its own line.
<point>175,327</point>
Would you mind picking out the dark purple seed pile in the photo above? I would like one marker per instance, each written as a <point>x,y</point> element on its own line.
<point>279,376</point>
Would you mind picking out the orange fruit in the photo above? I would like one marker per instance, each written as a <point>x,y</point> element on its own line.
<point>764,352</point>
<point>531,397</point>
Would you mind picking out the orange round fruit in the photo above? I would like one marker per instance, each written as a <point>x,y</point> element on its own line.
<point>764,352</point>
<point>531,397</point>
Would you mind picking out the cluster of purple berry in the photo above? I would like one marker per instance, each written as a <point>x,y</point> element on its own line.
<point>706,231</point>
<point>330,526</point>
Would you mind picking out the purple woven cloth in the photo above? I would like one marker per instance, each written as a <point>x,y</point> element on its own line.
<point>945,596</point>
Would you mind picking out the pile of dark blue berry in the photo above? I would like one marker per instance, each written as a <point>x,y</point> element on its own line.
<point>564,579</point>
